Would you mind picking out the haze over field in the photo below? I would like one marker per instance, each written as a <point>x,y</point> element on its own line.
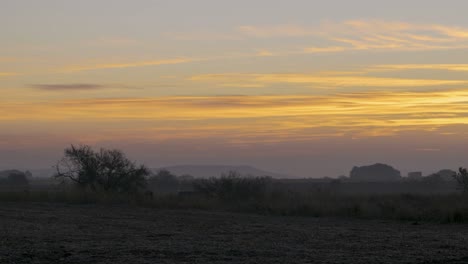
<point>295,87</point>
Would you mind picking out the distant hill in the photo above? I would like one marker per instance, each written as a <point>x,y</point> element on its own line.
<point>205,171</point>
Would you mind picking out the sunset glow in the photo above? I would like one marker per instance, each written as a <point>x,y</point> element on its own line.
<point>237,83</point>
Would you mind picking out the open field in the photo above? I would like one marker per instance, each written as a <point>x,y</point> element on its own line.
<point>59,233</point>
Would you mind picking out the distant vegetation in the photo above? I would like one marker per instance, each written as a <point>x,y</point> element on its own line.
<point>368,173</point>
<point>84,175</point>
<point>164,182</point>
<point>232,187</point>
<point>15,179</point>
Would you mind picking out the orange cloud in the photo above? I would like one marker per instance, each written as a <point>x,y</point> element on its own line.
<point>7,74</point>
<point>445,67</point>
<point>264,53</point>
<point>265,118</point>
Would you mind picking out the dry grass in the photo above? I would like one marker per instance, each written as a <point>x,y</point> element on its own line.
<point>446,208</point>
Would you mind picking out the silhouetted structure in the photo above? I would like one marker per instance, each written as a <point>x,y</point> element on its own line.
<point>375,173</point>
<point>447,175</point>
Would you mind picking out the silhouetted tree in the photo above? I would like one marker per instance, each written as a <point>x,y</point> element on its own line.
<point>462,179</point>
<point>434,180</point>
<point>103,170</point>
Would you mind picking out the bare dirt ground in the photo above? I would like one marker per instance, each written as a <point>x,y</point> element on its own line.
<point>51,233</point>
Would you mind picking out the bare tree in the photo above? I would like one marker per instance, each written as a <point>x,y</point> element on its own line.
<point>103,170</point>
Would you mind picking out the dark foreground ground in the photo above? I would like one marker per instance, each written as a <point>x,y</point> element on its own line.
<point>51,233</point>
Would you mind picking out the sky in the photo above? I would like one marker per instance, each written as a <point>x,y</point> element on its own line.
<point>305,88</point>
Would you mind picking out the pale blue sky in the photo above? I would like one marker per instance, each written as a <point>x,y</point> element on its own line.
<point>59,20</point>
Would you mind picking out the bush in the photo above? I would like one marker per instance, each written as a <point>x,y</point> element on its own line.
<point>232,186</point>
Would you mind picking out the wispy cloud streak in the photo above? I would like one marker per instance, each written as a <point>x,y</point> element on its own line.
<point>362,35</point>
<point>327,79</point>
<point>403,67</point>
<point>243,117</point>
